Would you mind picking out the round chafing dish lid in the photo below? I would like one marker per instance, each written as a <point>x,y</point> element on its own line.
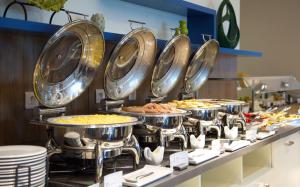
<point>129,63</point>
<point>68,63</point>
<point>201,66</point>
<point>170,65</point>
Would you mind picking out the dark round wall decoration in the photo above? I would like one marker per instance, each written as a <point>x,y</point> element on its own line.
<point>231,39</point>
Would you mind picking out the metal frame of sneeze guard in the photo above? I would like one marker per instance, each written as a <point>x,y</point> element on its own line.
<point>270,84</point>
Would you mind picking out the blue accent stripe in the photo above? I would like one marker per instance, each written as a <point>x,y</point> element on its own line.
<point>238,52</point>
<point>15,24</point>
<point>28,26</point>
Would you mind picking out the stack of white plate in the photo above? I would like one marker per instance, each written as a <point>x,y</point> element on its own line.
<point>21,165</point>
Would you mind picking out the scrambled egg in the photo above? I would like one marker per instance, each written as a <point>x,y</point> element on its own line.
<point>192,103</point>
<point>278,118</point>
<point>96,119</point>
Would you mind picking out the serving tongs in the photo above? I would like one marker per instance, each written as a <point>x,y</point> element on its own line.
<point>285,109</point>
<point>271,109</point>
<point>276,126</point>
<point>258,116</point>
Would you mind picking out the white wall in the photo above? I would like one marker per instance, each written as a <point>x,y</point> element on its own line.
<point>272,27</point>
<point>117,13</point>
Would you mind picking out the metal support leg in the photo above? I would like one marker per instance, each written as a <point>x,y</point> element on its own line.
<point>183,131</point>
<point>133,147</point>
<point>99,162</point>
<point>162,139</point>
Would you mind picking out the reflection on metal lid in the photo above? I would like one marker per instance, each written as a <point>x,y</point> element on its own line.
<point>125,59</point>
<point>201,66</point>
<point>68,63</point>
<point>129,64</point>
<point>62,58</point>
<point>170,65</point>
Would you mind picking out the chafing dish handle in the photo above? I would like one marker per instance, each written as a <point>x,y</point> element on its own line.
<point>215,128</point>
<point>181,134</point>
<point>243,125</point>
<point>51,146</point>
<point>184,140</point>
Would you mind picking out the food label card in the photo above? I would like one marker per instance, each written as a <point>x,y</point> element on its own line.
<point>113,179</point>
<point>180,158</point>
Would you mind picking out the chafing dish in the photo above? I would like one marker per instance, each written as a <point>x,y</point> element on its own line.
<point>196,75</point>
<point>128,66</point>
<point>130,62</point>
<point>168,126</point>
<point>207,119</point>
<point>66,67</point>
<point>205,114</point>
<point>203,117</point>
<point>229,106</point>
<point>100,141</point>
<point>170,66</point>
<point>232,112</point>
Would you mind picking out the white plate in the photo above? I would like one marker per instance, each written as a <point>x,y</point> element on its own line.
<point>26,162</point>
<point>22,170</point>
<point>36,160</point>
<point>31,164</point>
<point>24,183</point>
<point>42,184</point>
<point>34,177</point>
<point>21,174</point>
<point>23,180</point>
<point>23,158</point>
<point>19,151</point>
<point>158,173</point>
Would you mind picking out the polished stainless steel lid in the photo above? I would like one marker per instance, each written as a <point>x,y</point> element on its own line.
<point>68,63</point>
<point>129,64</point>
<point>201,66</point>
<point>170,65</point>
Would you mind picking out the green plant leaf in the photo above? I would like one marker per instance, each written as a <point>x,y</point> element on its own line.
<point>50,5</point>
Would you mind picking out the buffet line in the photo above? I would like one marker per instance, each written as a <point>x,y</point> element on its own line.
<point>201,128</point>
